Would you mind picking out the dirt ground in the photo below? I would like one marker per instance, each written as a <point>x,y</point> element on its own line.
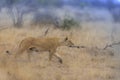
<point>89,63</point>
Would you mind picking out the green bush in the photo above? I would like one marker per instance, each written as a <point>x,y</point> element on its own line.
<point>68,23</point>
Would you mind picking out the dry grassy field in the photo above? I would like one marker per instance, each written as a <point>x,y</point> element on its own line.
<point>89,63</point>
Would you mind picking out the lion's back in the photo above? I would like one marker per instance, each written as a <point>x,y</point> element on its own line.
<point>41,43</point>
<point>47,43</point>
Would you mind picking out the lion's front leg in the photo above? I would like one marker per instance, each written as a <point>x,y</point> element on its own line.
<point>53,52</point>
<point>59,57</point>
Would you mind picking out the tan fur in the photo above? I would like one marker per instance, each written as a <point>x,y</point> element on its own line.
<point>43,44</point>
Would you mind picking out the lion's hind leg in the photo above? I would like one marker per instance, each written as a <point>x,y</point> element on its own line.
<point>19,52</point>
<point>30,50</point>
<point>33,49</point>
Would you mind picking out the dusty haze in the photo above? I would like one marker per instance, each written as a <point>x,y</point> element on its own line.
<point>97,32</point>
<point>91,62</point>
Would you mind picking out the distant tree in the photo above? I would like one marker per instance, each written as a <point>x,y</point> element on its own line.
<point>2,2</point>
<point>17,9</point>
<point>51,2</point>
<point>111,5</point>
<point>114,10</point>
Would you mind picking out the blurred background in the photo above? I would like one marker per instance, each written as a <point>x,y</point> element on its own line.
<point>34,12</point>
<point>93,24</point>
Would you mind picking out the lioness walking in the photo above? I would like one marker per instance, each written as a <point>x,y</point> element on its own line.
<point>42,44</point>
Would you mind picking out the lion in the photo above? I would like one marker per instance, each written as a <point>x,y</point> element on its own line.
<point>42,44</point>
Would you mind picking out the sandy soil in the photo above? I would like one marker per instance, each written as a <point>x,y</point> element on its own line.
<point>89,63</point>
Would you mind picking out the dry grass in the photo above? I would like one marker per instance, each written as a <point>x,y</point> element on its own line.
<point>78,64</point>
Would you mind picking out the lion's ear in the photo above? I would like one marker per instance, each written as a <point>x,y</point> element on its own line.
<point>66,38</point>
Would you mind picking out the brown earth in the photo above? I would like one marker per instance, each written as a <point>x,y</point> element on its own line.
<point>89,63</point>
